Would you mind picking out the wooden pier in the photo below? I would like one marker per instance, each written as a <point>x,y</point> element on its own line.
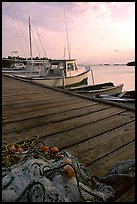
<point>99,134</point>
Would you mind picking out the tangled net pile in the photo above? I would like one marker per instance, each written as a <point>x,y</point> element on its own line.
<point>34,172</point>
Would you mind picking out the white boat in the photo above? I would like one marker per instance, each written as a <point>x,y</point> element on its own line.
<point>18,68</point>
<point>56,72</point>
<point>98,89</point>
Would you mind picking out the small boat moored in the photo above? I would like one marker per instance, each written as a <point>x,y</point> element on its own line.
<point>125,98</point>
<point>98,89</point>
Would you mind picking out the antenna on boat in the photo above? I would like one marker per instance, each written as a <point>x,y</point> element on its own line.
<point>67,35</point>
<point>30,39</point>
<point>64,52</point>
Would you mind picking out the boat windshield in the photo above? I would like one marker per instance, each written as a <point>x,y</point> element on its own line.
<point>70,66</point>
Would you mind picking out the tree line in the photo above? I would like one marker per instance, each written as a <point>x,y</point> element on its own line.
<point>131,63</point>
<point>9,61</point>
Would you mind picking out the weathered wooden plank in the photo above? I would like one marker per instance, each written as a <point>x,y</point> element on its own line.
<point>51,96</point>
<point>37,120</point>
<point>78,131</point>
<point>20,85</point>
<point>24,93</point>
<point>99,167</point>
<point>28,95</point>
<point>22,89</point>
<point>128,196</point>
<point>48,108</point>
<point>55,101</point>
<point>66,112</point>
<point>97,147</point>
<point>12,83</point>
<point>67,124</point>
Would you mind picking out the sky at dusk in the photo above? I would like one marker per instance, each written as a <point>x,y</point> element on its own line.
<point>98,32</point>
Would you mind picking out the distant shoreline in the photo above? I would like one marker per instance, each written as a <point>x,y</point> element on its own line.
<point>131,63</point>
<point>81,64</point>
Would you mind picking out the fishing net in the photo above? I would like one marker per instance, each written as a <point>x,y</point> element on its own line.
<point>34,172</point>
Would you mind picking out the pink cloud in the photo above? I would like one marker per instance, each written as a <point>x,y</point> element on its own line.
<point>94,27</point>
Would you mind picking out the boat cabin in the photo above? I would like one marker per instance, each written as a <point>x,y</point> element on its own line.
<point>69,66</point>
<point>53,67</point>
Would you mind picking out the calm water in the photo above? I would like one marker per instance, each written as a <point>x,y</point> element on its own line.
<point>116,74</point>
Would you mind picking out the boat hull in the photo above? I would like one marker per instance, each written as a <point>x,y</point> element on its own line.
<point>126,99</point>
<point>11,70</point>
<point>59,81</point>
<point>109,90</point>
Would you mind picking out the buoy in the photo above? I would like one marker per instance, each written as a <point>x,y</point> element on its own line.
<point>12,149</point>
<point>19,149</point>
<point>54,150</point>
<point>69,171</point>
<point>44,148</point>
<point>67,161</point>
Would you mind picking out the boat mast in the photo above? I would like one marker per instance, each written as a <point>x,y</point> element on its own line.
<point>30,39</point>
<point>67,35</point>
